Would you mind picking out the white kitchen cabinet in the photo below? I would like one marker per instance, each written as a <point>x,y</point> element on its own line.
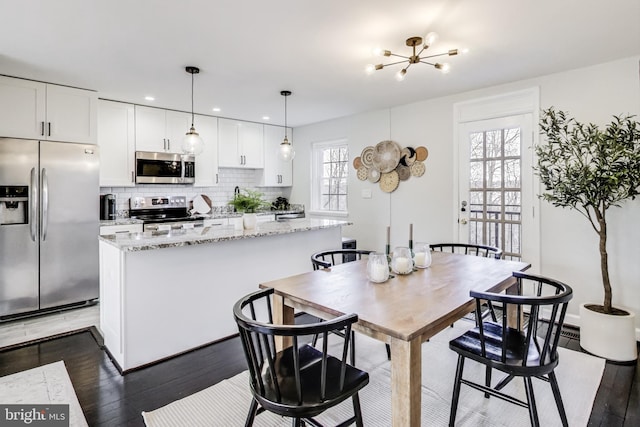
<point>240,144</point>
<point>207,161</point>
<point>45,111</point>
<point>276,172</point>
<point>116,138</point>
<point>216,222</point>
<point>120,228</point>
<point>160,130</point>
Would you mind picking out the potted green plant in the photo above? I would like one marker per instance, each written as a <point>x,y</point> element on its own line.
<point>248,202</point>
<point>589,169</point>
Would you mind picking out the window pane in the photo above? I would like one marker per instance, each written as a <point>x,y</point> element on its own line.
<point>512,173</point>
<point>494,174</point>
<point>494,143</point>
<point>512,142</point>
<point>476,142</point>
<point>494,205</point>
<point>475,174</point>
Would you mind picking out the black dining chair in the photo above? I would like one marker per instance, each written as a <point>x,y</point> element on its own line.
<point>300,382</point>
<point>327,259</point>
<point>476,250</point>
<point>528,350</point>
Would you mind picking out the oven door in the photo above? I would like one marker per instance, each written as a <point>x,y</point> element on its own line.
<point>168,226</point>
<point>159,168</point>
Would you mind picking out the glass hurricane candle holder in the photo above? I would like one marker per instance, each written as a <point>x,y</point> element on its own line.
<point>422,255</point>
<point>401,262</point>
<point>377,267</point>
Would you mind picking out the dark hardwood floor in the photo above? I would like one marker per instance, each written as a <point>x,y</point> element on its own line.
<point>109,399</point>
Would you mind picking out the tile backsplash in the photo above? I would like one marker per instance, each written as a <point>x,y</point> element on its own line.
<point>219,195</point>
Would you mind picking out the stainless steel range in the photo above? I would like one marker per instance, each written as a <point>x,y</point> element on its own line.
<point>163,213</point>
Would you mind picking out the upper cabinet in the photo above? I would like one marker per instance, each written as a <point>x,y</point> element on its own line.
<point>207,161</point>
<point>240,144</point>
<point>160,130</point>
<point>276,172</point>
<point>42,111</point>
<point>116,138</point>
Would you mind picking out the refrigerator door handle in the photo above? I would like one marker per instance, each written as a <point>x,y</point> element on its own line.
<point>33,214</point>
<point>44,215</point>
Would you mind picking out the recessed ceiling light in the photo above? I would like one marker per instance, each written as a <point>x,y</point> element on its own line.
<point>266,117</point>
<point>149,98</point>
<point>216,109</point>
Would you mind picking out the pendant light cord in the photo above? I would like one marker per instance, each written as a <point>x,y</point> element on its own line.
<point>285,116</point>
<point>192,100</point>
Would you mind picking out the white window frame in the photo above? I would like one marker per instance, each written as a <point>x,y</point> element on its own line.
<point>317,149</point>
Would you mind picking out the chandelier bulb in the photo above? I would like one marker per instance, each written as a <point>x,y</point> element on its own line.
<point>369,69</point>
<point>430,39</point>
<point>400,74</point>
<point>444,67</point>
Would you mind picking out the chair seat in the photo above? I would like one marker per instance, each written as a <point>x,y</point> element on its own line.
<point>469,345</point>
<point>310,366</point>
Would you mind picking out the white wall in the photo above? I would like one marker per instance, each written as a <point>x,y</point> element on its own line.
<point>569,246</point>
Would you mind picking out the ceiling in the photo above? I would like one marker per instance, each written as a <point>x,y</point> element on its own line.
<point>250,50</point>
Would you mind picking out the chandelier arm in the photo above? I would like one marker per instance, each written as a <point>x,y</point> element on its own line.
<point>428,63</point>
<point>395,63</point>
<point>436,55</point>
<point>399,56</point>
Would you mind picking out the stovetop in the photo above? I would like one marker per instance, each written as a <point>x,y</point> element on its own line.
<point>160,209</point>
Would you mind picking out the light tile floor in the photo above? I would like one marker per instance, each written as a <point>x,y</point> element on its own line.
<point>22,330</point>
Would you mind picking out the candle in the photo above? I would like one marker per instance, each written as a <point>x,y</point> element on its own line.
<point>401,265</point>
<point>420,257</point>
<point>378,273</point>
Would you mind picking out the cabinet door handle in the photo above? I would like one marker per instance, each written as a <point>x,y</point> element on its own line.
<point>49,129</point>
<point>41,128</point>
<point>216,178</point>
<point>132,178</point>
<point>168,144</point>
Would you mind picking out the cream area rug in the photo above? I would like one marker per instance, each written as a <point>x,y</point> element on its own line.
<point>48,384</point>
<point>226,403</point>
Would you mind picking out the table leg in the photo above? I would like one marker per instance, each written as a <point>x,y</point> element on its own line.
<point>406,382</point>
<point>512,312</point>
<point>282,315</point>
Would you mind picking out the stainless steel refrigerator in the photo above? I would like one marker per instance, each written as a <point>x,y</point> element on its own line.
<point>49,226</point>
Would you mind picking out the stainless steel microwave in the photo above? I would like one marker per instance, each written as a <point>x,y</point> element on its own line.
<point>165,168</point>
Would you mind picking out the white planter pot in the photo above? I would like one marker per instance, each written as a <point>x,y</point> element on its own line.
<point>249,221</point>
<point>611,337</point>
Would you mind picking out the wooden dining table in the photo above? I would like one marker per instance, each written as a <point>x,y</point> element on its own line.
<point>404,311</point>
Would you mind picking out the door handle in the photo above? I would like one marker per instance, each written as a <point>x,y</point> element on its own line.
<point>463,221</point>
<point>33,215</point>
<point>44,215</point>
<point>41,128</point>
<point>49,129</point>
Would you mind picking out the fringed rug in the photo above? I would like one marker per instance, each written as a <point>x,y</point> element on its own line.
<point>226,403</point>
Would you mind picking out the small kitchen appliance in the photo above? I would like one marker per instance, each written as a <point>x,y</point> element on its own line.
<point>107,207</point>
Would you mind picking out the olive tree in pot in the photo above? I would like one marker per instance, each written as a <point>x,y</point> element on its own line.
<point>248,203</point>
<point>589,169</point>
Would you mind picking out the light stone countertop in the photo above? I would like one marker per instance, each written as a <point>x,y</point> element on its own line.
<point>130,242</point>
<point>119,221</point>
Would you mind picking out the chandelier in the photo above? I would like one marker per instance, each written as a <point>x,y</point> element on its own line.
<point>415,43</point>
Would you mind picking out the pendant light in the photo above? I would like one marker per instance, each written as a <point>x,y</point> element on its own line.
<point>192,143</point>
<point>286,152</point>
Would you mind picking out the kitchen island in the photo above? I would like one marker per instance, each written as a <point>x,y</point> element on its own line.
<point>164,293</point>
